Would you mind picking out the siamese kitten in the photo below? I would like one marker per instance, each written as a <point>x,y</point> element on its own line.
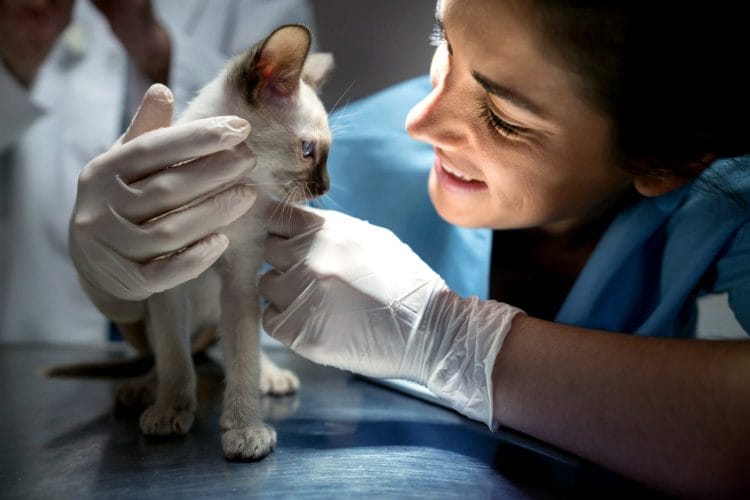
<point>273,86</point>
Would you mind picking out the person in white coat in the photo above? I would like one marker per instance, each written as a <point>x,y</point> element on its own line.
<point>72,75</point>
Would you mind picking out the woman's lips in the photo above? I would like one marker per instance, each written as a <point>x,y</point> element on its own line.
<point>450,178</point>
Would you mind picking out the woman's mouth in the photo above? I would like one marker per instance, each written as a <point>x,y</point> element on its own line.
<point>453,179</point>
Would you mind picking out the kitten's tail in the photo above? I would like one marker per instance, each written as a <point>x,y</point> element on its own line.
<point>120,368</point>
<point>116,368</point>
<point>131,367</point>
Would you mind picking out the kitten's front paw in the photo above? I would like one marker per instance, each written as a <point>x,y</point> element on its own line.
<point>160,420</point>
<point>248,443</point>
<point>276,381</point>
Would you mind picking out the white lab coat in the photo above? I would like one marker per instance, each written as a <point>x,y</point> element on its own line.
<point>84,95</point>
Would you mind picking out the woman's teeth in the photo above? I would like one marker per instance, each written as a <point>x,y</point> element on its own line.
<point>455,173</point>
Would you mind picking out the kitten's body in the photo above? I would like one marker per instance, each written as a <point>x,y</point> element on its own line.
<point>268,87</point>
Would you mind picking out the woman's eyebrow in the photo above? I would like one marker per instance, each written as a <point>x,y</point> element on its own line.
<point>509,95</point>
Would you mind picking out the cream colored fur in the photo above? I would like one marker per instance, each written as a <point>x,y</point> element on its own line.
<point>225,296</point>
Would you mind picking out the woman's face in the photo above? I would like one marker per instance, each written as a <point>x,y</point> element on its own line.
<point>514,144</point>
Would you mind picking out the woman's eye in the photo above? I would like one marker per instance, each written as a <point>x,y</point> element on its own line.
<point>499,125</point>
<point>308,149</point>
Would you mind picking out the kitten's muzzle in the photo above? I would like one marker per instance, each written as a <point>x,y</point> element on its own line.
<point>319,180</point>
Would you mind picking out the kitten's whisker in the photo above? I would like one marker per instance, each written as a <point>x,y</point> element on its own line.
<point>345,123</point>
<point>337,130</point>
<point>340,188</point>
<point>283,205</point>
<point>276,208</point>
<point>329,203</point>
<point>307,192</point>
<point>292,195</point>
<point>341,115</point>
<point>253,184</point>
<point>342,96</point>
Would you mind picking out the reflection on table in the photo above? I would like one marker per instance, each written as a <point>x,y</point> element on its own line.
<point>339,437</point>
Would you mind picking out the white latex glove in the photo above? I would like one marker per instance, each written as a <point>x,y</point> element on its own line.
<point>146,219</point>
<point>352,295</point>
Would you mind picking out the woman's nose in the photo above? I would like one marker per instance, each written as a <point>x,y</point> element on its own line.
<point>438,118</point>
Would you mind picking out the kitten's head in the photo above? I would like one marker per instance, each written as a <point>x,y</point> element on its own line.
<point>273,86</point>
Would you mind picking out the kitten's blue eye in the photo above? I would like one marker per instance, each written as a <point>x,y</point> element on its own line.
<point>308,149</point>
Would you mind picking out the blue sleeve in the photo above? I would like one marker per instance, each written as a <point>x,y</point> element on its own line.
<point>733,275</point>
<point>379,173</point>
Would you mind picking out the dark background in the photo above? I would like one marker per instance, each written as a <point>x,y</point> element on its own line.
<point>374,44</point>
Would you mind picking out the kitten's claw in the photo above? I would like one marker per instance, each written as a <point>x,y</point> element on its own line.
<point>248,443</point>
<point>159,420</point>
<point>276,381</point>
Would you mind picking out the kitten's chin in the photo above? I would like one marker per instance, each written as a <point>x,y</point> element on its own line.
<point>289,198</point>
<point>297,193</point>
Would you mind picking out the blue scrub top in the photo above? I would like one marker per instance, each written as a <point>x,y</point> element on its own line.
<point>656,258</point>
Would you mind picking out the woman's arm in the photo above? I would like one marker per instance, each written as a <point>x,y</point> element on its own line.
<point>674,414</point>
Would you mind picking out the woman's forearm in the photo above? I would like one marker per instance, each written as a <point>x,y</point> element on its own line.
<point>674,414</point>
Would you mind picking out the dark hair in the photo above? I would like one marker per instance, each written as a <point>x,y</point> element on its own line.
<point>669,76</point>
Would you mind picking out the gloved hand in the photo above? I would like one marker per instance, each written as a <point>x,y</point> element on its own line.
<point>149,211</point>
<point>352,295</point>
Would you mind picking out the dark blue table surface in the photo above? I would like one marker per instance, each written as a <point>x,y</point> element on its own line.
<point>339,437</point>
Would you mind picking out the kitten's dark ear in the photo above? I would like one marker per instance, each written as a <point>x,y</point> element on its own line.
<point>280,59</point>
<point>318,67</point>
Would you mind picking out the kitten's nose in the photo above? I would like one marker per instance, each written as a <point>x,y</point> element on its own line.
<point>320,179</point>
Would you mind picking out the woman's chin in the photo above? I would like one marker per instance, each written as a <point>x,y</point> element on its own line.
<point>452,210</point>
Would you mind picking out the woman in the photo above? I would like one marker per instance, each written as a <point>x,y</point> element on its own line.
<point>596,139</point>
<point>556,124</point>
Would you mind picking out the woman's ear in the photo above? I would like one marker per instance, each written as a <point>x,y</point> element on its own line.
<point>651,186</point>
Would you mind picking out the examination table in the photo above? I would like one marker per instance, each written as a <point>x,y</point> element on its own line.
<point>340,437</point>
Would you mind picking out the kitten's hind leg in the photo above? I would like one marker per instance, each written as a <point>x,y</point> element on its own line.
<point>244,435</point>
<point>169,332</point>
<point>136,393</point>
<point>275,381</point>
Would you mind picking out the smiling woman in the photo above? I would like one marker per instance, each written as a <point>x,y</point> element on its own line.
<point>501,114</point>
<point>603,143</point>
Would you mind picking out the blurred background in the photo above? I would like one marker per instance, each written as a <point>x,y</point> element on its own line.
<point>375,44</point>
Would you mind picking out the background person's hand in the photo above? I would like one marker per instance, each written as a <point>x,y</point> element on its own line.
<point>141,33</point>
<point>28,30</point>
<point>149,211</point>
<point>352,295</point>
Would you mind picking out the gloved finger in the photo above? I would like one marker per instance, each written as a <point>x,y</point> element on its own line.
<point>284,325</point>
<point>305,332</point>
<point>177,230</point>
<point>282,288</point>
<point>154,112</point>
<point>152,151</point>
<point>169,272</point>
<point>173,188</point>
<point>283,253</point>
<point>287,220</point>
<point>272,325</point>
